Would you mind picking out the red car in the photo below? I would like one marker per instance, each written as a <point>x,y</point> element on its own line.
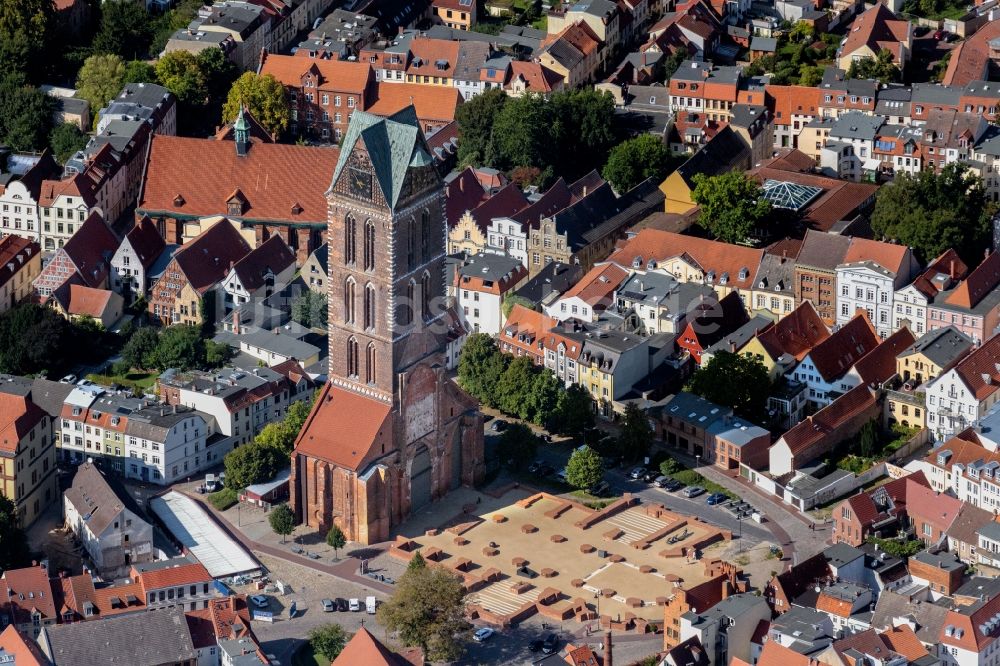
<point>939,35</point>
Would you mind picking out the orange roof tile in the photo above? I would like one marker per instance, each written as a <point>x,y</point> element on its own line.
<point>981,281</point>
<point>537,77</point>
<point>433,104</point>
<point>86,301</point>
<point>846,346</point>
<point>18,415</point>
<point>24,650</point>
<point>816,427</point>
<point>28,589</point>
<point>598,285</point>
<point>980,371</point>
<point>887,255</point>
<point>343,427</point>
<point>433,57</point>
<point>15,252</point>
<point>877,28</point>
<point>775,653</point>
<point>879,364</point>
<point>364,648</point>
<point>182,574</point>
<point>342,75</point>
<point>833,605</point>
<point>795,334</point>
<point>788,101</point>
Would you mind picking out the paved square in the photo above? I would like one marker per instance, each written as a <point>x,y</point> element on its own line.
<point>630,554</point>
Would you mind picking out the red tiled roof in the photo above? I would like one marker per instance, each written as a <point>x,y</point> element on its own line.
<point>828,603</point>
<point>537,77</point>
<point>426,53</point>
<point>816,427</point>
<point>964,623</point>
<point>15,253</point>
<point>24,650</point>
<point>188,573</point>
<point>365,649</point>
<point>146,241</point>
<point>878,28</point>
<point>90,249</point>
<point>950,264</point>
<point>795,334</point>
<point>887,255</point>
<point>197,177</point>
<point>505,203</point>
<point>964,448</point>
<point>721,258</point>
<point>775,653</point>
<point>598,285</point>
<point>18,415</point>
<point>981,281</point>
<point>84,301</point>
<point>970,60</point>
<point>464,193</point>
<point>880,363</point>
<point>342,75</point>
<point>343,427</point>
<point>846,346</point>
<point>930,506</point>
<point>77,185</point>
<point>28,589</point>
<point>433,104</point>
<point>787,101</point>
<point>903,640</point>
<point>272,255</point>
<point>980,371</point>
<point>207,259</point>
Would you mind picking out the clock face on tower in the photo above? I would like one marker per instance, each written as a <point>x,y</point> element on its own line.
<point>359,184</point>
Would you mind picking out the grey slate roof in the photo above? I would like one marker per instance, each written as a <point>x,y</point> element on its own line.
<point>932,93</point>
<point>768,44</point>
<point>143,639</point>
<point>942,346</point>
<point>929,618</point>
<point>822,251</point>
<point>556,278</point>
<point>854,125</point>
<point>488,266</point>
<point>100,497</point>
<point>740,336</point>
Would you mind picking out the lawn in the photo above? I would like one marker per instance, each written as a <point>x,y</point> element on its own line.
<point>223,499</point>
<point>306,656</point>
<point>136,380</point>
<point>888,443</point>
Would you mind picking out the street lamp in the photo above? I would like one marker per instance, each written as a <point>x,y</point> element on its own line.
<point>597,596</point>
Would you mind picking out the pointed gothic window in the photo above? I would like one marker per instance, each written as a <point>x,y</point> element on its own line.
<point>350,240</point>
<point>369,306</point>
<point>369,245</point>
<point>425,234</point>
<point>411,240</point>
<point>349,288</point>
<point>370,364</point>
<point>352,357</point>
<point>425,295</point>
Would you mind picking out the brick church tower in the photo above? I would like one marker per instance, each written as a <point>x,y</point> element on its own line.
<point>390,431</point>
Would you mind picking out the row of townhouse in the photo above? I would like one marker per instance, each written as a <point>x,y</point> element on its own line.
<point>104,177</point>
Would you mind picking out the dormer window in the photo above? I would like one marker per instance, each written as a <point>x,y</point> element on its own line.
<point>179,201</point>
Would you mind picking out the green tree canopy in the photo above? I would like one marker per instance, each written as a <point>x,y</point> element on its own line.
<point>328,640</point>
<point>282,520</point>
<point>732,205</point>
<point>282,434</point>
<point>169,22</point>
<point>512,390</point>
<point>180,347</point>
<point>734,380</point>
<point>518,445</point>
<point>125,30</point>
<point>335,539</point>
<point>13,544</point>
<point>33,338</point>
<point>428,610</point>
<point>585,468</point>
<point>309,309</point>
<point>513,299</point>
<point>264,97</point>
<point>476,119</point>
<point>25,30</point>
<point>635,160</point>
<point>881,68</point>
<point>65,140</point>
<point>480,367</point>
<point>139,71</point>
<point>25,114</point>
<point>253,463</point>
<point>541,399</point>
<point>100,79</point>
<point>574,411</point>
<point>636,434</point>
<point>932,212</point>
<point>180,73</point>
<point>140,349</point>
<point>417,562</point>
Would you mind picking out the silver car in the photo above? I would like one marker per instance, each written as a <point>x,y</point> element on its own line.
<point>692,491</point>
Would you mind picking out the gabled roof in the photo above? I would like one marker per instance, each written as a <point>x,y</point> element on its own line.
<point>341,75</point>
<point>146,241</point>
<point>949,266</point>
<point>27,591</point>
<point>433,104</point>
<point>273,255</point>
<point>464,192</point>
<point>716,319</point>
<point>981,281</point>
<point>936,508</point>
<point>816,427</point>
<point>90,249</point>
<point>822,251</point>
<point>207,259</point>
<point>15,253</point>
<point>537,77</point>
<point>100,498</point>
<point>18,416</point>
<point>393,145</point>
<point>597,287</point>
<point>725,152</point>
<point>795,334</point>
<point>847,345</point>
<point>24,651</point>
<point>877,28</point>
<point>969,519</point>
<point>505,203</point>
<point>140,639</point>
<point>363,648</point>
<point>889,256</point>
<point>344,427</point>
<point>942,346</point>
<point>980,370</point>
<point>880,363</point>
<point>84,301</point>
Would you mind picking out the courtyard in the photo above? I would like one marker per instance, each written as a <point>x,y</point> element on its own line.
<point>549,555</point>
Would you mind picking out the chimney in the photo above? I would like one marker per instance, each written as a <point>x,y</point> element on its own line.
<point>951,269</point>
<point>608,661</point>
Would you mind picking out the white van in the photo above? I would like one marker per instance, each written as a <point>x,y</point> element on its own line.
<point>354,605</point>
<point>370,605</point>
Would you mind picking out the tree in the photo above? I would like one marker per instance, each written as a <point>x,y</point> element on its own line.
<point>636,434</point>
<point>541,400</point>
<point>335,539</point>
<point>585,468</point>
<point>480,367</point>
<point>574,411</point>
<point>880,68</point>
<point>674,62</point>
<point>264,97</point>
<point>217,354</point>
<point>282,520</point>
<point>180,73</point>
<point>140,350</point>
<point>219,71</point>
<point>518,445</point>
<point>13,544</point>
<point>167,23</point>
<point>125,30</point>
<point>512,390</point>
<point>810,76</point>
<point>475,121</point>
<point>139,71</point>
<point>868,438</point>
<point>802,32</point>
<point>253,463</point>
<point>635,160</point>
<point>282,434</point>
<point>522,134</point>
<point>582,121</point>
<point>309,309</point>
<point>179,347</point>
<point>513,299</point>
<point>33,338</point>
<point>328,640</point>
<point>25,114</point>
<point>416,562</point>
<point>428,610</point>
<point>100,80</point>
<point>25,27</point>
<point>65,140</point>
<point>932,212</point>
<point>736,381</point>
<point>732,205</point>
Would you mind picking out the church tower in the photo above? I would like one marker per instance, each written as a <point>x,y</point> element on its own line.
<point>390,431</point>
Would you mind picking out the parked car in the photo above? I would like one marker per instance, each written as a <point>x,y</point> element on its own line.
<point>498,426</point>
<point>482,635</point>
<point>650,475</point>
<point>637,473</point>
<point>550,644</point>
<point>328,605</point>
<point>535,645</point>
<point>602,489</point>
<point>259,600</point>
<point>673,485</point>
<point>68,379</point>
<point>693,491</point>
<point>716,498</point>
<point>535,466</point>
<point>342,606</point>
<point>939,34</point>
<point>661,481</point>
<point>355,605</point>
